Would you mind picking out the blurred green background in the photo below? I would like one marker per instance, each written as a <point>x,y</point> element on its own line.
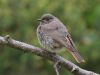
<point>18,18</point>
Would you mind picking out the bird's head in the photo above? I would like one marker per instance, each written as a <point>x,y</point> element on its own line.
<point>46,18</point>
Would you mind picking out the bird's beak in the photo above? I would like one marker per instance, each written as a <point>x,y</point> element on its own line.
<point>39,19</point>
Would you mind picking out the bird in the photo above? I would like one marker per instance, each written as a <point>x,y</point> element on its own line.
<point>53,34</point>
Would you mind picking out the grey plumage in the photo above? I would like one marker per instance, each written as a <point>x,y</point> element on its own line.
<point>52,34</point>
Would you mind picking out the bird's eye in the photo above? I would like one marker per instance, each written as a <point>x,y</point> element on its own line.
<point>46,19</point>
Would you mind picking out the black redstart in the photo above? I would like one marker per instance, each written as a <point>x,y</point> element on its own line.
<point>53,35</point>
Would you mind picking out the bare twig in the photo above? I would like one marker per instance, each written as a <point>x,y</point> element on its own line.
<point>57,67</point>
<point>7,40</point>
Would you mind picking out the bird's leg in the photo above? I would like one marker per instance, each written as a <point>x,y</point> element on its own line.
<point>50,52</point>
<point>57,67</point>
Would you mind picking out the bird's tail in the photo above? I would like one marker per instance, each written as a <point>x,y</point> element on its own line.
<point>72,49</point>
<point>77,56</point>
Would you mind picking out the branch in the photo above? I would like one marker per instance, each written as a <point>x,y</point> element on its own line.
<point>76,70</point>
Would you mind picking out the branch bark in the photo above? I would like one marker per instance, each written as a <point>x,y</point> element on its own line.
<point>76,70</point>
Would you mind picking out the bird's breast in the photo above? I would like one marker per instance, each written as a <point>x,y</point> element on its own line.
<point>47,41</point>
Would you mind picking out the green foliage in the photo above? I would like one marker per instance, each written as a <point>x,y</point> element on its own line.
<point>19,19</point>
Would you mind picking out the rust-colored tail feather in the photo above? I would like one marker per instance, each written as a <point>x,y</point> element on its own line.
<point>73,50</point>
<point>77,56</point>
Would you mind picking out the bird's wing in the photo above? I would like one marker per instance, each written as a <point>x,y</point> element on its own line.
<point>59,33</point>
